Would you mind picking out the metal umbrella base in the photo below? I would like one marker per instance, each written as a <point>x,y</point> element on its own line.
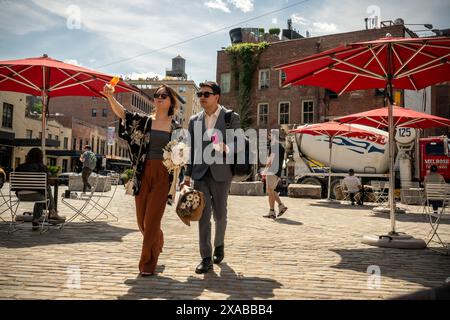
<point>329,201</point>
<point>387,210</point>
<point>399,241</point>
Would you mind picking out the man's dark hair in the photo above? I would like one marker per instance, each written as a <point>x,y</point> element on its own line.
<point>211,84</point>
<point>351,172</point>
<point>88,147</point>
<point>35,155</point>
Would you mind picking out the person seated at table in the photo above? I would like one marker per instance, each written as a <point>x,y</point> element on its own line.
<point>353,186</point>
<point>435,178</point>
<point>34,163</point>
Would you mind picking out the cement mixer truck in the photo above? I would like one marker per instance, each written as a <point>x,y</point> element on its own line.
<point>307,159</point>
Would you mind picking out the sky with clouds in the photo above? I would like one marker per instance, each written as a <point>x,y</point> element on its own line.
<point>140,37</point>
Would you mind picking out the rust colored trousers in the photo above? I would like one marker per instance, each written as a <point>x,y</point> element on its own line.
<point>150,205</point>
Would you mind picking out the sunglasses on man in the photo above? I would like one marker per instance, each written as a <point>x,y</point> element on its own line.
<point>205,94</point>
<point>160,95</point>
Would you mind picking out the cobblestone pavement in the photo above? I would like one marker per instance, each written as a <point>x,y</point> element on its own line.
<point>312,252</point>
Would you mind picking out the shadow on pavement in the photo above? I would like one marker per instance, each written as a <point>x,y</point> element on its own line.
<point>288,221</point>
<point>408,217</point>
<point>342,206</point>
<point>81,232</point>
<point>425,267</point>
<point>226,281</point>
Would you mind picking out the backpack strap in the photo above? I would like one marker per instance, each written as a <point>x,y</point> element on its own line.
<point>228,117</point>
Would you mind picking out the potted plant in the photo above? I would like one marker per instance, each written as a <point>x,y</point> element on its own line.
<point>126,175</point>
<point>53,170</point>
<point>275,31</point>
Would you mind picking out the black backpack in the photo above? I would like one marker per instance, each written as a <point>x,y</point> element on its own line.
<point>241,172</point>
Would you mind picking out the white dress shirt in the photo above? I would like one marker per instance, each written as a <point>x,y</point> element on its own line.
<point>210,120</point>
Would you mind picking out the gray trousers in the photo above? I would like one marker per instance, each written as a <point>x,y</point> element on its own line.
<point>216,196</point>
<point>85,176</point>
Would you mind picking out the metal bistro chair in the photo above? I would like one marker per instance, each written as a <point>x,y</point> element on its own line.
<point>380,191</point>
<point>5,205</point>
<point>101,200</point>
<point>82,208</point>
<point>345,194</point>
<point>441,193</point>
<point>26,184</point>
<point>411,194</point>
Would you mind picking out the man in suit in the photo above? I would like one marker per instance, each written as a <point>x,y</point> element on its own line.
<point>213,178</point>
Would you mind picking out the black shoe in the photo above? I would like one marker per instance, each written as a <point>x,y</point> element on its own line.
<point>204,266</point>
<point>35,224</point>
<point>218,254</point>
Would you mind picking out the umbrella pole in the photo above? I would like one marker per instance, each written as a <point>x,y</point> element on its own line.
<point>391,160</point>
<point>329,170</point>
<point>44,123</point>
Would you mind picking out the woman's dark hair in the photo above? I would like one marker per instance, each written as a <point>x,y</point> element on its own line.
<point>35,155</point>
<point>433,168</point>
<point>174,103</point>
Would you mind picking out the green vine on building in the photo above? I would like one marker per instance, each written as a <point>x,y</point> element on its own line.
<point>244,60</point>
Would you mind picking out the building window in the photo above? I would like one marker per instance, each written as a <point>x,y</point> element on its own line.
<point>263,114</point>
<point>17,162</point>
<point>57,138</point>
<point>64,165</point>
<point>225,81</point>
<point>29,134</point>
<point>264,79</point>
<point>7,119</point>
<point>282,77</point>
<point>94,113</point>
<point>182,89</point>
<point>74,144</point>
<point>98,145</point>
<point>81,144</point>
<point>308,111</point>
<point>283,112</point>
<point>50,136</point>
<point>66,143</point>
<point>104,113</point>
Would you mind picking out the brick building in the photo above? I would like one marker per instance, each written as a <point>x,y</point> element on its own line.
<point>273,106</point>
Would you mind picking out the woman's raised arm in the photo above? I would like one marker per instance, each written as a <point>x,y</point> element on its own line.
<point>117,108</point>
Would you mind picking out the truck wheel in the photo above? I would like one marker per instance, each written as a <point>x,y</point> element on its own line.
<point>315,182</point>
<point>336,192</point>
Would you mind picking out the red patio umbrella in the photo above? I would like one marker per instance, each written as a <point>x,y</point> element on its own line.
<point>402,63</point>
<point>332,130</point>
<point>403,117</point>
<point>47,77</point>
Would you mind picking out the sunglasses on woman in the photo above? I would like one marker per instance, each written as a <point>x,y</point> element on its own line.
<point>205,94</point>
<point>160,95</point>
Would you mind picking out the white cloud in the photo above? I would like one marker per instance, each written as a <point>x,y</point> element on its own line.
<point>144,75</point>
<point>19,18</point>
<point>274,21</point>
<point>217,4</point>
<point>244,5</point>
<point>298,19</point>
<point>324,27</point>
<point>73,61</point>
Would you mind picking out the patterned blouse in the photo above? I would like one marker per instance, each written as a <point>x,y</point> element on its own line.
<point>135,131</point>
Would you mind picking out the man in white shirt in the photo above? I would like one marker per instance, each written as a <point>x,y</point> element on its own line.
<point>214,179</point>
<point>353,185</point>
